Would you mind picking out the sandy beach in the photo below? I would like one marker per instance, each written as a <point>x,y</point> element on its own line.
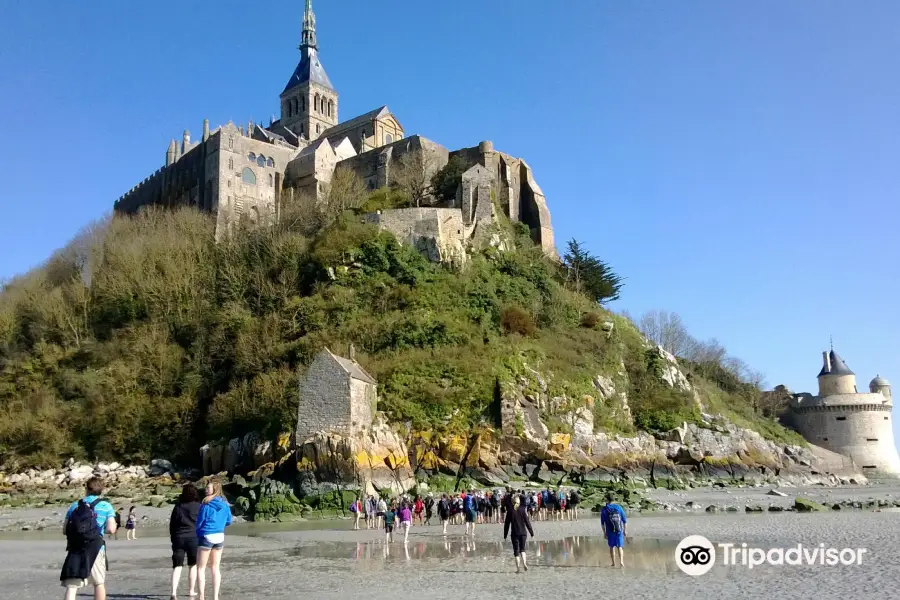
<point>567,559</point>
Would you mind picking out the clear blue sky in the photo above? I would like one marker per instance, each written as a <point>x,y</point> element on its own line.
<point>736,161</point>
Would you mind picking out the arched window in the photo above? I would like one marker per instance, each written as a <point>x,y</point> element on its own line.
<point>230,143</point>
<point>331,108</point>
<point>388,138</point>
<point>317,128</point>
<point>287,109</point>
<point>231,164</point>
<point>271,179</point>
<point>302,104</point>
<point>248,176</point>
<point>270,162</point>
<point>251,157</point>
<point>261,161</point>
<point>316,103</point>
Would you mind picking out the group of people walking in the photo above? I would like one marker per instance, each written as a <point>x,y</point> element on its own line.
<point>196,528</point>
<point>469,507</point>
<point>515,509</point>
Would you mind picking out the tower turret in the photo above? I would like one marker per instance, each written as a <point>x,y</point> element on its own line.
<point>185,142</point>
<point>835,376</point>
<point>170,153</point>
<point>205,129</point>
<point>882,386</point>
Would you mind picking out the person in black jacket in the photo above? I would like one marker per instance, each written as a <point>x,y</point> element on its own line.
<point>183,532</point>
<point>517,520</point>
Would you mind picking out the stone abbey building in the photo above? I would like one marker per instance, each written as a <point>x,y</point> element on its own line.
<point>243,173</point>
<point>844,420</point>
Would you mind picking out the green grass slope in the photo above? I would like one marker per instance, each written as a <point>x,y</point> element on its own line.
<point>147,338</point>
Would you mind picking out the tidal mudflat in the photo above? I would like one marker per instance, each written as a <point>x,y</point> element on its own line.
<point>567,559</point>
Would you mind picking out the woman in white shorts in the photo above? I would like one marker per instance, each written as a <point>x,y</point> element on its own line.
<point>213,518</point>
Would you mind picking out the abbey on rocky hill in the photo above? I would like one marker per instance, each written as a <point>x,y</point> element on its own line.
<point>246,174</point>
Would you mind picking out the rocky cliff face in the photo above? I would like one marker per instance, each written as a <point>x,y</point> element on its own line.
<point>376,462</point>
<point>524,447</point>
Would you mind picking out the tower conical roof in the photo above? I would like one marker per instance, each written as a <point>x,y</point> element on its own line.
<point>838,366</point>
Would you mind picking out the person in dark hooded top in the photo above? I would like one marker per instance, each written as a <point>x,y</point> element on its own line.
<point>518,523</point>
<point>183,534</point>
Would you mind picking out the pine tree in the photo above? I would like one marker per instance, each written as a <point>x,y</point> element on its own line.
<point>587,274</point>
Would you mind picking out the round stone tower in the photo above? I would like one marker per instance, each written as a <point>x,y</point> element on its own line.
<point>835,377</point>
<point>880,385</point>
<point>486,146</point>
<point>855,425</point>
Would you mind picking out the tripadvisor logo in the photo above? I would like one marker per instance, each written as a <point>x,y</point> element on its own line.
<point>696,555</point>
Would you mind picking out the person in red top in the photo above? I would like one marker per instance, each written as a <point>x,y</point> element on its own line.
<point>418,509</point>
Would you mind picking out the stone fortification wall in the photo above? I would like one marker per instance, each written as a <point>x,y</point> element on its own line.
<point>375,166</point>
<point>515,190</point>
<point>860,430</point>
<point>179,184</point>
<point>438,233</point>
<point>324,400</point>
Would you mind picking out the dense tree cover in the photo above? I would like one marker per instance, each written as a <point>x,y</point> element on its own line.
<point>145,337</point>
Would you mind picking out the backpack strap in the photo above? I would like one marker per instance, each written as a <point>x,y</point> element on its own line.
<point>95,502</point>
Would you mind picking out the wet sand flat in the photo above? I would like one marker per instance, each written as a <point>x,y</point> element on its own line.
<point>567,560</point>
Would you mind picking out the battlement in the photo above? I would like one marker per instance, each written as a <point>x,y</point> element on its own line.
<point>842,408</point>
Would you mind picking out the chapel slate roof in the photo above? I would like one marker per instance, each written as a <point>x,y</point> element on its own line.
<point>355,121</point>
<point>353,369</point>
<point>838,366</point>
<point>309,69</point>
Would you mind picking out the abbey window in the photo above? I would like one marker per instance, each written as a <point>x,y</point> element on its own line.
<point>248,176</point>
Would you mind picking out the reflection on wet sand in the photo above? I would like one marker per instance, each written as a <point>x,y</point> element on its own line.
<point>576,551</point>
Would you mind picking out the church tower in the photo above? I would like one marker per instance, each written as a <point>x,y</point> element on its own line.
<point>309,103</point>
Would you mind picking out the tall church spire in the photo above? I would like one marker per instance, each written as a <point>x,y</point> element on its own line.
<point>308,38</point>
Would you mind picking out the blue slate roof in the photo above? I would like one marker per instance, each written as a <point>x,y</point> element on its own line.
<point>838,366</point>
<point>309,69</point>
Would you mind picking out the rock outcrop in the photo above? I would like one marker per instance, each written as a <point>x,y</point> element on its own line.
<point>375,462</point>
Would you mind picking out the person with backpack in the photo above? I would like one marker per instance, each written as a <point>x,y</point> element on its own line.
<point>118,523</point>
<point>574,500</point>
<point>444,511</point>
<point>469,510</point>
<point>183,535</point>
<point>212,519</point>
<point>429,508</point>
<point>613,520</point>
<point>518,523</point>
<point>86,522</point>
<point>389,517</point>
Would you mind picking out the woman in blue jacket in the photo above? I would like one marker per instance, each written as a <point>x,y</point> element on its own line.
<point>213,518</point>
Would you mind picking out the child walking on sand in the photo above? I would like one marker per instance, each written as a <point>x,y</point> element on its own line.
<point>131,525</point>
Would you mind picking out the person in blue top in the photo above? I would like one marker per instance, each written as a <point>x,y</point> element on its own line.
<point>613,520</point>
<point>469,509</point>
<point>213,518</point>
<point>87,520</point>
